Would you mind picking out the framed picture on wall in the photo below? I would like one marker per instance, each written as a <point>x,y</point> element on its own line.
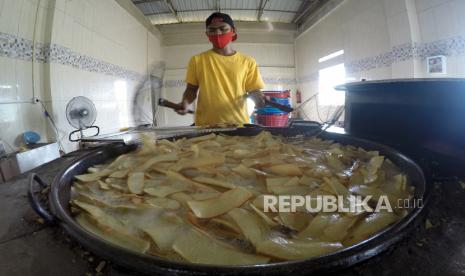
<point>436,65</point>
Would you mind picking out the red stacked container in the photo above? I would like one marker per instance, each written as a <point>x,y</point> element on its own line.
<point>274,120</point>
<point>278,94</point>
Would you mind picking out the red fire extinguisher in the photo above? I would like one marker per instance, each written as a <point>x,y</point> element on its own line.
<point>298,97</point>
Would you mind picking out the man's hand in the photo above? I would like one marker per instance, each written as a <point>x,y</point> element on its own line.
<point>187,98</point>
<point>258,97</point>
<point>185,106</point>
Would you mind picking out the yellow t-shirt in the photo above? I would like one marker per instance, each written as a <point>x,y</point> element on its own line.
<point>222,82</point>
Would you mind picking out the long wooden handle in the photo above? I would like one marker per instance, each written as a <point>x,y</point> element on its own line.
<point>166,103</point>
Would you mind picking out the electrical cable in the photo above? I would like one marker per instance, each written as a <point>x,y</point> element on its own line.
<point>34,50</point>
<point>318,112</point>
<point>54,126</point>
<point>328,122</point>
<point>301,105</point>
<point>314,96</point>
<point>305,114</point>
<point>47,114</point>
<point>329,108</point>
<point>338,112</point>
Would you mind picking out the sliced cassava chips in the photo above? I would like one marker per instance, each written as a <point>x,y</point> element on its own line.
<point>207,199</point>
<point>219,205</point>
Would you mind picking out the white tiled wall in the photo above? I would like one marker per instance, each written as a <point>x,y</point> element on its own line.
<point>100,29</point>
<point>103,30</point>
<point>17,112</point>
<point>10,13</point>
<point>368,28</point>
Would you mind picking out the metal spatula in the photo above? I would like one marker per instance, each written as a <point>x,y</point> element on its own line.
<point>269,102</point>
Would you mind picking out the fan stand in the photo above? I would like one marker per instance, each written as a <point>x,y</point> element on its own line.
<point>81,114</point>
<point>80,130</point>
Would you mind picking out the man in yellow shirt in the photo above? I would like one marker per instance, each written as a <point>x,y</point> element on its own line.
<point>221,77</point>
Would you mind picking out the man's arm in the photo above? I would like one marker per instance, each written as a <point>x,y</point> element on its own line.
<point>253,84</point>
<point>189,96</point>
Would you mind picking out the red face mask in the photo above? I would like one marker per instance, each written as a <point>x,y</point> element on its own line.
<point>220,41</point>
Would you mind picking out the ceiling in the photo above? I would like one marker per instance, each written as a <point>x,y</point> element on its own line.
<point>161,12</point>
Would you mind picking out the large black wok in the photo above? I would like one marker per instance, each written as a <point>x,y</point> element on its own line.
<point>60,214</point>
